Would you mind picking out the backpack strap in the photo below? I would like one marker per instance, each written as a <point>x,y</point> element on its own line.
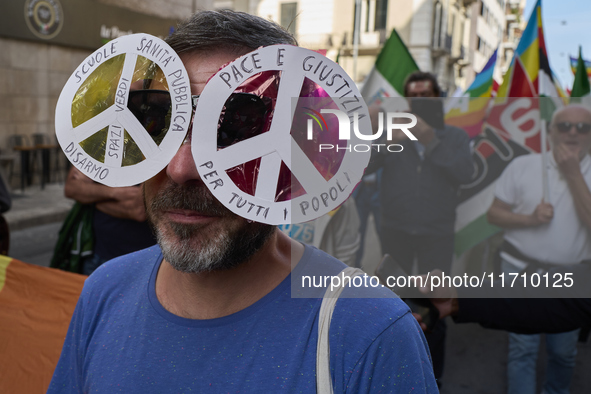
<point>323,376</point>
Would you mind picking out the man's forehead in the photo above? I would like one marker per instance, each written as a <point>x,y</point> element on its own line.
<point>574,113</point>
<point>420,85</point>
<point>201,66</point>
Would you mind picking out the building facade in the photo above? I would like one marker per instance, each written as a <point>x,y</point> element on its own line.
<point>43,41</point>
<point>487,32</point>
<point>514,25</point>
<point>450,38</point>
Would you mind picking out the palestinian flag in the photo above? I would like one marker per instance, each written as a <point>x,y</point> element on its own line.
<point>36,305</point>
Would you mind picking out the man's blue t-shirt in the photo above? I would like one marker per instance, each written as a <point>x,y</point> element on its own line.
<point>121,339</point>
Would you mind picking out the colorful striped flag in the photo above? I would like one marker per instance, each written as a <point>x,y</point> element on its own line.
<point>506,132</point>
<point>586,65</point>
<point>468,112</point>
<point>482,85</point>
<point>393,65</point>
<point>529,74</point>
<point>36,305</point>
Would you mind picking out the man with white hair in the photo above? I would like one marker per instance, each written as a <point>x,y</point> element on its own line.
<point>541,234</point>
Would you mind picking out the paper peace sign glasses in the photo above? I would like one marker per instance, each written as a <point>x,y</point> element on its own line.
<point>244,114</point>
<point>127,109</point>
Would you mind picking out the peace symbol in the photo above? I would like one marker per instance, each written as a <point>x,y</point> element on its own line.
<point>127,154</point>
<point>277,145</point>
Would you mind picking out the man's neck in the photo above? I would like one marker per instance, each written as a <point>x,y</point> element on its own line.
<point>216,294</point>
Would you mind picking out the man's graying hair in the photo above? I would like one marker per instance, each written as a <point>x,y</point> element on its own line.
<point>227,30</point>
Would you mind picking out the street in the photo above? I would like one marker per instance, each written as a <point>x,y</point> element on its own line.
<point>476,358</point>
<point>34,245</point>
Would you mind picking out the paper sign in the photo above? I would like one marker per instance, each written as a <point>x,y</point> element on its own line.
<point>277,145</point>
<point>96,129</point>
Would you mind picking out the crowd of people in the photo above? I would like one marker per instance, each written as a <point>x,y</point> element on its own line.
<point>206,303</point>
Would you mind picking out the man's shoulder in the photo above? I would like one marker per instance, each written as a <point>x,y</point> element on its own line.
<point>528,158</point>
<point>384,310</point>
<point>454,131</point>
<point>315,260</point>
<point>380,332</point>
<point>454,135</point>
<point>525,163</point>
<point>360,294</point>
<point>368,318</point>
<point>124,270</point>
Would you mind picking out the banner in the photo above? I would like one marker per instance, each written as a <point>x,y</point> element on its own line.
<point>36,305</point>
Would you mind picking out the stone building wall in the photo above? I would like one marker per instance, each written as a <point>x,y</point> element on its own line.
<point>32,75</point>
<point>174,9</point>
<point>31,78</point>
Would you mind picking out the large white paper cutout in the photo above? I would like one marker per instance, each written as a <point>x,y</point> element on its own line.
<point>94,126</point>
<point>105,140</point>
<point>277,145</point>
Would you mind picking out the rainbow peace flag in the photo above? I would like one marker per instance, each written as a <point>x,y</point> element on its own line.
<point>586,64</point>
<point>468,112</point>
<point>482,85</point>
<point>36,305</point>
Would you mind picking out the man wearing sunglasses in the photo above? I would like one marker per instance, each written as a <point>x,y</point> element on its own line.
<point>210,309</point>
<point>540,235</point>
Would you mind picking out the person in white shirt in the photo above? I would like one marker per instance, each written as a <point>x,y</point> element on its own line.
<point>541,234</point>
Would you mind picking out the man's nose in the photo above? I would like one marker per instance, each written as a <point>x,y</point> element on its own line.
<point>182,168</point>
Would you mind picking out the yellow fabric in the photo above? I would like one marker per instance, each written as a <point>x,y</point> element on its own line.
<point>531,60</point>
<point>476,104</point>
<point>4,261</point>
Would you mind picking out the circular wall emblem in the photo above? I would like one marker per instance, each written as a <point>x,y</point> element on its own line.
<point>45,18</point>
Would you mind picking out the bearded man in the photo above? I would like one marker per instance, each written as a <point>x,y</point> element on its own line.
<point>210,308</point>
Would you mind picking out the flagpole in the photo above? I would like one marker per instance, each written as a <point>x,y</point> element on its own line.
<point>356,37</point>
<point>543,143</point>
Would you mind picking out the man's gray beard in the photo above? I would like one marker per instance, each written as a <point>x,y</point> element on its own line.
<point>223,250</point>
